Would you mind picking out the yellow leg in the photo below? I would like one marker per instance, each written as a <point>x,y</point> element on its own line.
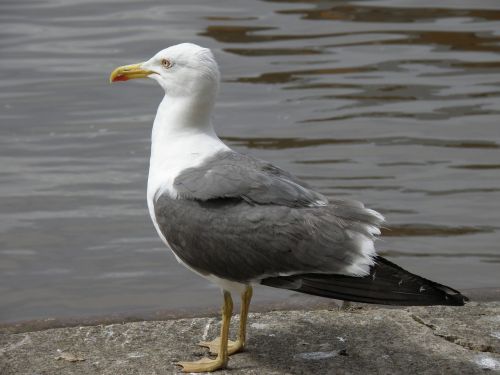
<point>238,345</point>
<point>207,364</point>
<point>245,306</point>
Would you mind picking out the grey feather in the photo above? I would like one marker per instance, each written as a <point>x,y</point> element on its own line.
<point>243,242</point>
<point>233,175</point>
<point>242,219</point>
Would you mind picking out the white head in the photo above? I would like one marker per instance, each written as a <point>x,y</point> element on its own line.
<point>190,77</point>
<point>183,70</point>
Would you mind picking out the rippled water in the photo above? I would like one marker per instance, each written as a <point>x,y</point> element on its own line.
<point>395,103</point>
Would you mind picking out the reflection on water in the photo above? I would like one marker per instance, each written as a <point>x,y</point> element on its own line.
<point>338,11</point>
<point>393,103</point>
<point>287,143</point>
<point>405,230</point>
<point>478,166</point>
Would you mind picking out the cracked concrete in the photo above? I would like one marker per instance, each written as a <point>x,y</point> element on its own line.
<point>473,330</point>
<point>366,340</point>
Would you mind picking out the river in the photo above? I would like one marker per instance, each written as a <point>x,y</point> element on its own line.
<point>394,103</point>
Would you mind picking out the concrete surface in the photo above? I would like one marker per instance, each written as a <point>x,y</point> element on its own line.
<point>367,340</point>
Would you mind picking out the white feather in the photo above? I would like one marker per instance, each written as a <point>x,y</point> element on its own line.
<point>231,286</point>
<point>361,265</point>
<point>378,215</point>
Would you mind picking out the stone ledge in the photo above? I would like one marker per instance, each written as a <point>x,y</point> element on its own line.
<point>366,340</point>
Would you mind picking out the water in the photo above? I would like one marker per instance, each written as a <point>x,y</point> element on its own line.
<point>392,103</point>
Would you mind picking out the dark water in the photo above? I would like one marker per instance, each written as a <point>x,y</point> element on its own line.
<point>393,103</point>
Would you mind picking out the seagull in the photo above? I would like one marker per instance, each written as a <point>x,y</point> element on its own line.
<point>239,221</point>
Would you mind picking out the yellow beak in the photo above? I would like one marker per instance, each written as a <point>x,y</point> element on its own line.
<point>126,72</point>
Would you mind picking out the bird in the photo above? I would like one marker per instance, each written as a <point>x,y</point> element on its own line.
<point>239,221</point>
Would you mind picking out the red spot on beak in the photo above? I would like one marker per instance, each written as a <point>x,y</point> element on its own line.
<point>120,77</point>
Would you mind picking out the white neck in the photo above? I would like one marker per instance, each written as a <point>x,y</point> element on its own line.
<point>183,113</point>
<point>182,137</point>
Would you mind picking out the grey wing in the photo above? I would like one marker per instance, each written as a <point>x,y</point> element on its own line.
<point>243,242</point>
<point>243,219</point>
<point>233,175</point>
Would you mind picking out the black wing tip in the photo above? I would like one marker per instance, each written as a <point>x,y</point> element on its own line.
<point>387,284</point>
<point>444,295</point>
<point>456,300</point>
<point>453,298</point>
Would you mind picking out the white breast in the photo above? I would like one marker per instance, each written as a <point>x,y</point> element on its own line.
<point>171,152</point>
<point>168,159</point>
<point>166,163</point>
<point>177,144</point>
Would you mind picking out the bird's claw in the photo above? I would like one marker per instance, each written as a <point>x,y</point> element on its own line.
<point>203,365</point>
<point>214,346</point>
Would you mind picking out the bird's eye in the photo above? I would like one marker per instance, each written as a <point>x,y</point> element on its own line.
<point>166,63</point>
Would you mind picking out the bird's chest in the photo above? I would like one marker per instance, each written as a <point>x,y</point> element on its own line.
<point>166,163</point>
<point>162,174</point>
<point>173,153</point>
